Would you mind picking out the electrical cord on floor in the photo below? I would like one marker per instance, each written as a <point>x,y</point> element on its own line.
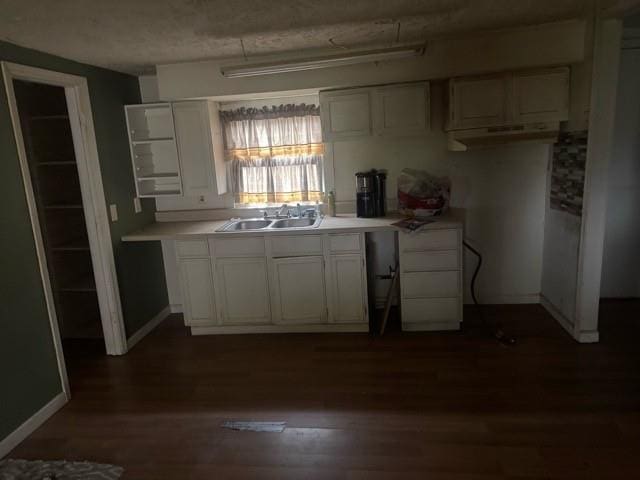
<point>497,331</point>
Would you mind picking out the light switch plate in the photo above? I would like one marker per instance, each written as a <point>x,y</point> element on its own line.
<point>137,206</point>
<point>113,209</point>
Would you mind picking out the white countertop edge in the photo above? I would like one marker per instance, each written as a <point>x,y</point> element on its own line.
<point>345,224</point>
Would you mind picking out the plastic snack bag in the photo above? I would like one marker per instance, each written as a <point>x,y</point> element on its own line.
<point>421,194</point>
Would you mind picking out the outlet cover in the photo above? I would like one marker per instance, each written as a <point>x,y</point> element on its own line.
<point>137,206</point>
<point>113,209</point>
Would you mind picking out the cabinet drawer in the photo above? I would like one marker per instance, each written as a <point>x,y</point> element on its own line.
<point>344,243</point>
<point>430,261</point>
<point>296,245</point>
<point>239,247</point>
<point>192,248</point>
<point>430,284</point>
<point>430,240</point>
<point>421,310</point>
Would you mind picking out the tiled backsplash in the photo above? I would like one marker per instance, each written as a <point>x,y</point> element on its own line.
<point>568,172</point>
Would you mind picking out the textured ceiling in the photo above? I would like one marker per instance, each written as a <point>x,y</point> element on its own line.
<point>134,35</point>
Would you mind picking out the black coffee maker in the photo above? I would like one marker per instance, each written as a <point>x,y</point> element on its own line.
<point>371,197</point>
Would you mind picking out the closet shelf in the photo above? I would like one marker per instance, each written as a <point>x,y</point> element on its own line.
<point>158,176</point>
<point>55,164</point>
<point>150,141</point>
<point>63,207</point>
<point>73,246</point>
<point>49,117</point>
<point>82,284</point>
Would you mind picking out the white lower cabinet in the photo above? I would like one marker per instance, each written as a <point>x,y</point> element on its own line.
<point>348,289</point>
<point>242,291</point>
<point>314,282</point>
<point>298,290</point>
<point>431,279</point>
<point>196,281</point>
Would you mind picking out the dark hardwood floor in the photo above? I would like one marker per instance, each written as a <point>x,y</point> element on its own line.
<point>434,406</point>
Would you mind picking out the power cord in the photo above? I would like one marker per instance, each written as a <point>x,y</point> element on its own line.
<point>496,331</point>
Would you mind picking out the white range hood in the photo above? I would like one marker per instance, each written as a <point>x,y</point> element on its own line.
<point>463,140</point>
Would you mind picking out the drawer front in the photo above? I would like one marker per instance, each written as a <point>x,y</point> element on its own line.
<point>430,261</point>
<point>192,248</point>
<point>430,284</point>
<point>296,245</point>
<point>422,310</point>
<point>430,240</point>
<point>348,243</point>
<point>239,247</point>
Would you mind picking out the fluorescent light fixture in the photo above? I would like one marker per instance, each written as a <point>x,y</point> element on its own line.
<point>257,69</point>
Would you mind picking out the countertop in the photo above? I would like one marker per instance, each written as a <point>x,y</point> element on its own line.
<point>339,224</point>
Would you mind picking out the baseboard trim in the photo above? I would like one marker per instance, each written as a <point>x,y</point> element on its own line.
<point>580,337</point>
<point>527,298</point>
<point>557,314</point>
<point>251,329</point>
<point>148,327</point>
<point>176,308</point>
<point>32,424</point>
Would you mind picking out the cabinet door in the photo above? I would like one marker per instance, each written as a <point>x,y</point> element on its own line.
<point>242,291</point>
<point>195,142</point>
<point>541,96</point>
<point>196,282</point>
<point>345,114</point>
<point>477,102</point>
<point>299,290</point>
<point>348,289</point>
<point>401,109</point>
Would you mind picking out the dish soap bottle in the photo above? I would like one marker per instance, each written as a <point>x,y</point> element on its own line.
<point>331,202</point>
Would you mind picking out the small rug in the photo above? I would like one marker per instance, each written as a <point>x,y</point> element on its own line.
<point>272,427</point>
<point>58,470</point>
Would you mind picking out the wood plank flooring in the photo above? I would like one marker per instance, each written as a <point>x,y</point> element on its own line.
<point>454,406</point>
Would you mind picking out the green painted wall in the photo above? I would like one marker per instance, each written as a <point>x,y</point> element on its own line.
<point>28,370</point>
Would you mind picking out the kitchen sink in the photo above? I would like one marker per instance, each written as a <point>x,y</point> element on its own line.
<point>296,223</point>
<point>257,224</point>
<point>246,225</point>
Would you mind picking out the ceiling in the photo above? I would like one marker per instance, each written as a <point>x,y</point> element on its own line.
<point>135,35</point>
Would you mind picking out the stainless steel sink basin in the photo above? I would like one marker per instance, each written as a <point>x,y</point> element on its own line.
<point>258,224</point>
<point>296,223</point>
<point>246,225</point>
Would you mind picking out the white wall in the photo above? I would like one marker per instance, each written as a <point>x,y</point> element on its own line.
<point>620,269</point>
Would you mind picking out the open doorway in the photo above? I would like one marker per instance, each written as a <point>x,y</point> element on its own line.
<point>48,143</point>
<point>620,282</point>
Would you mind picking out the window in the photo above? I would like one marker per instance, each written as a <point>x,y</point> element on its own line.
<point>274,154</point>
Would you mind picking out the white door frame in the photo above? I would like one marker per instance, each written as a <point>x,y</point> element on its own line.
<point>93,199</point>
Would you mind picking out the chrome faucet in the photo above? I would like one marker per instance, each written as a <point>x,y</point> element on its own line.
<point>280,211</point>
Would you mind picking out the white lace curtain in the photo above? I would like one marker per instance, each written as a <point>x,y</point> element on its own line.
<point>274,155</point>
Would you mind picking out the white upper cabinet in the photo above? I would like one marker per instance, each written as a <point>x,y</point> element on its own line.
<point>509,99</point>
<point>478,102</point>
<point>199,148</point>
<point>345,114</point>
<point>176,148</point>
<point>154,155</point>
<point>396,110</point>
<point>401,109</point>
<point>541,96</point>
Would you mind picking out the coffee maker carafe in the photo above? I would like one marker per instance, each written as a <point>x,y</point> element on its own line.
<point>371,194</point>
